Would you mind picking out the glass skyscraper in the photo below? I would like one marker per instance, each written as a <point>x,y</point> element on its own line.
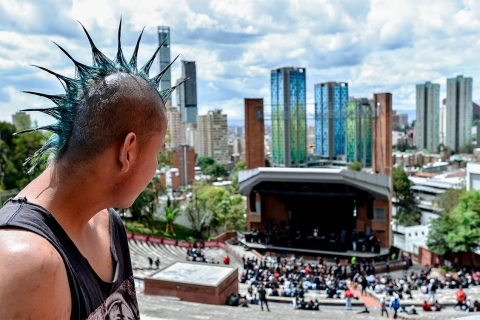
<point>330,119</point>
<point>359,131</point>
<point>187,92</point>
<point>164,55</point>
<point>289,117</point>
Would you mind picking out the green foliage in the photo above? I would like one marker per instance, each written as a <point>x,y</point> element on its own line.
<point>204,162</point>
<point>171,214</point>
<point>181,232</point>
<point>468,148</point>
<point>355,166</point>
<point>199,217</point>
<point>458,230</point>
<point>142,206</point>
<point>402,146</point>
<point>238,167</point>
<point>165,158</point>
<point>407,212</point>
<point>449,200</point>
<point>216,170</point>
<point>227,209</point>
<point>14,150</point>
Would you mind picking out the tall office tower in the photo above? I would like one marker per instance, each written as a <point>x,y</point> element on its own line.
<point>459,111</point>
<point>212,136</point>
<point>359,131</point>
<point>382,133</point>
<point>289,117</point>
<point>330,118</point>
<point>164,56</point>
<point>443,121</point>
<point>427,122</point>
<point>175,134</point>
<point>187,92</point>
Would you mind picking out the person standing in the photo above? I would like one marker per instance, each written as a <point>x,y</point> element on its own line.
<point>383,305</point>
<point>395,305</point>
<point>262,294</point>
<point>461,298</point>
<point>432,288</point>
<point>348,299</point>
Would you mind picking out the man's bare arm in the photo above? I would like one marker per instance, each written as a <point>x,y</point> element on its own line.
<point>33,279</point>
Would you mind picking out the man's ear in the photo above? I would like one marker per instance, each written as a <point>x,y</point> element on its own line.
<point>128,152</point>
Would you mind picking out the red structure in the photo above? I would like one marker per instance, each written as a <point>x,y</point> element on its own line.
<point>382,133</point>
<point>254,134</point>
<point>183,159</point>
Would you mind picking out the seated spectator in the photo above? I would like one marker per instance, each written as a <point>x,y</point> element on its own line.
<point>233,300</point>
<point>316,305</point>
<point>378,288</point>
<point>412,310</point>
<point>426,306</point>
<point>437,306</point>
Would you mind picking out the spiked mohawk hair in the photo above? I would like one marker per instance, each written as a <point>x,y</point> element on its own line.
<point>67,105</point>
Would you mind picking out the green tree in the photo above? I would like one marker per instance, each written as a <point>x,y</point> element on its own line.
<point>144,204</point>
<point>457,231</point>
<point>216,170</point>
<point>204,162</point>
<point>197,214</point>
<point>14,150</point>
<point>468,148</point>
<point>171,214</point>
<point>238,167</point>
<point>449,200</point>
<point>228,210</point>
<point>355,166</point>
<point>407,212</point>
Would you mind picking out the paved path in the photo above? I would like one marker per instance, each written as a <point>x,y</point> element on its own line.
<point>161,308</point>
<point>367,300</point>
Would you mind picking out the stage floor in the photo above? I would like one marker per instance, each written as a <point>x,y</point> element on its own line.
<point>313,252</point>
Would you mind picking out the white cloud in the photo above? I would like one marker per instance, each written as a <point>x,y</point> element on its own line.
<point>376,45</point>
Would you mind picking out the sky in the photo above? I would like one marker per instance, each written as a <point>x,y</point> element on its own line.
<point>376,46</point>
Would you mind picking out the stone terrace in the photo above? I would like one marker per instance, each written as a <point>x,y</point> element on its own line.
<point>141,250</point>
<point>162,308</point>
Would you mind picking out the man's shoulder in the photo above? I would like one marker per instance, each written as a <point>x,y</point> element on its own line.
<point>33,275</point>
<point>24,249</point>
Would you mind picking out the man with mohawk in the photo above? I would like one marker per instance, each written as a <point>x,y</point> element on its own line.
<point>111,125</point>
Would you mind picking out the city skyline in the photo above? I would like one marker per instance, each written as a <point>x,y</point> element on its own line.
<point>375,46</point>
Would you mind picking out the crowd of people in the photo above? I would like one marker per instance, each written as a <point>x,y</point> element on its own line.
<point>292,277</point>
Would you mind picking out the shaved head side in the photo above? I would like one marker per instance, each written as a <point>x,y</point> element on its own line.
<point>113,106</point>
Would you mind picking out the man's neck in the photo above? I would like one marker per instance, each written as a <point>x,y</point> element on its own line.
<point>72,200</point>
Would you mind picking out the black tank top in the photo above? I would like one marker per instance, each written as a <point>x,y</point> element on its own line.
<point>92,298</point>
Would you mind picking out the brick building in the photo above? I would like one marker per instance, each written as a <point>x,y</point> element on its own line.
<point>382,133</point>
<point>183,159</point>
<point>254,134</point>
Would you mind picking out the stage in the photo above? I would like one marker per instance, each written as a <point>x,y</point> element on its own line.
<point>263,248</point>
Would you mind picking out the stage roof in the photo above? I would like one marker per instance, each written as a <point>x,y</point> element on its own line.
<point>378,185</point>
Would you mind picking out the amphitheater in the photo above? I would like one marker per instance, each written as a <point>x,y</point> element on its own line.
<point>165,308</point>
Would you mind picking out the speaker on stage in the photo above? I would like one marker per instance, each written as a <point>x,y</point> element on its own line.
<point>370,199</point>
<point>253,200</point>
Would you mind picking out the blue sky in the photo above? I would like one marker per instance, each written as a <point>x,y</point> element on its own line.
<point>375,46</point>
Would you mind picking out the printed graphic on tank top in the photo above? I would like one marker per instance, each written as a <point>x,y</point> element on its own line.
<point>92,298</point>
